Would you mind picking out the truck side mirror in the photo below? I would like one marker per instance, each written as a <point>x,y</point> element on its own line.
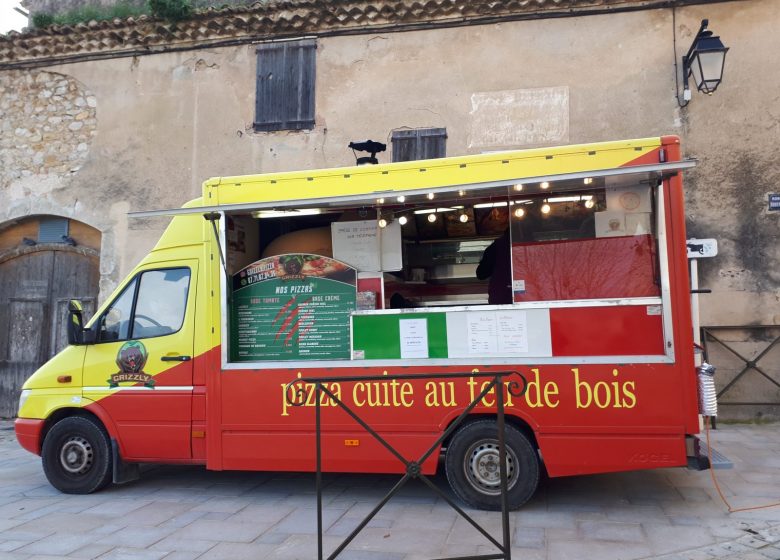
<point>75,322</point>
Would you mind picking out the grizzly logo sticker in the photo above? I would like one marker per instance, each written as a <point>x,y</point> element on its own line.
<point>131,360</point>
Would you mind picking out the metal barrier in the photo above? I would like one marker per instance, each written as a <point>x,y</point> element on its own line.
<point>707,335</point>
<point>414,468</point>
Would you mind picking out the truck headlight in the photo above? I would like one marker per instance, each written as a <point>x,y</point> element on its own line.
<point>23,399</point>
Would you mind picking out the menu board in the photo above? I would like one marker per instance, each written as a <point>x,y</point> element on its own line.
<point>292,307</point>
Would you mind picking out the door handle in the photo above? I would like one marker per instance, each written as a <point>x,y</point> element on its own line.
<point>176,358</point>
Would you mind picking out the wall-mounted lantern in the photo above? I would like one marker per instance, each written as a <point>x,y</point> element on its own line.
<point>704,61</point>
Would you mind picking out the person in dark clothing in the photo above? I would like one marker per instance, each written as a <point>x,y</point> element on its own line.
<point>496,265</point>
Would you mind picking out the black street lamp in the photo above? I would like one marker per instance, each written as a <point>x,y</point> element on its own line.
<point>705,60</point>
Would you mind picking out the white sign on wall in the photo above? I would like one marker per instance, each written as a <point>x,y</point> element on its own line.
<point>519,117</point>
<point>701,248</point>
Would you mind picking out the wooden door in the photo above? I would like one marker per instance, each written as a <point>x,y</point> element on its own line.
<point>35,287</point>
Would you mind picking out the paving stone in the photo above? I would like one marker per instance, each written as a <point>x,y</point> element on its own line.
<point>581,549</point>
<point>91,551</point>
<point>157,512</point>
<point>182,555</point>
<point>371,555</point>
<point>64,523</point>
<point>406,541</point>
<point>304,521</point>
<point>57,544</point>
<point>222,531</point>
<point>673,539</point>
<point>528,537</point>
<point>546,519</point>
<point>136,536</point>
<point>272,538</point>
<point>611,531</point>
<point>133,554</point>
<point>754,555</point>
<point>174,543</point>
<point>183,519</point>
<point>771,552</point>
<point>346,525</point>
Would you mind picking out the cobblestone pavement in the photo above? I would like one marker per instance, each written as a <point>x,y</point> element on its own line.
<point>182,513</point>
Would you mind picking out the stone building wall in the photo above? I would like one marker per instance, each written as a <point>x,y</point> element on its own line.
<point>48,122</point>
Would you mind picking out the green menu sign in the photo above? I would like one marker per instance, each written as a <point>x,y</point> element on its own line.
<point>292,307</point>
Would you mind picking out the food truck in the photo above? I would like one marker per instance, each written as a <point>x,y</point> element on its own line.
<point>566,265</point>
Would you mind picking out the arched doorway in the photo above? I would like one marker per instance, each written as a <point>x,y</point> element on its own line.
<point>44,262</point>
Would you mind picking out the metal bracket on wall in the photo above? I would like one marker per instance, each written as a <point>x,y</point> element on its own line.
<point>295,394</point>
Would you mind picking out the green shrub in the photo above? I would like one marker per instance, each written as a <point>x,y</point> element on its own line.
<point>42,20</point>
<point>172,10</point>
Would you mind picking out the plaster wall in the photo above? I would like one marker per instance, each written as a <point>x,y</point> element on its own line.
<point>168,121</point>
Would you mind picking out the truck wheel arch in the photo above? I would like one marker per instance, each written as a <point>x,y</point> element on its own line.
<point>94,411</point>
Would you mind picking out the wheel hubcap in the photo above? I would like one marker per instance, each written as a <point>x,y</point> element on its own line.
<point>76,455</point>
<point>481,465</point>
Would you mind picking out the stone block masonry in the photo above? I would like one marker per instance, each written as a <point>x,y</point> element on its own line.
<point>47,123</point>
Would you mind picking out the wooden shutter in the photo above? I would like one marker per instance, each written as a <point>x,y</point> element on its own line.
<point>285,85</point>
<point>420,143</point>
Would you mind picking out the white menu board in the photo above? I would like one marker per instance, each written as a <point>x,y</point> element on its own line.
<point>498,333</point>
<point>414,338</point>
<point>512,332</point>
<point>481,333</point>
<point>358,244</point>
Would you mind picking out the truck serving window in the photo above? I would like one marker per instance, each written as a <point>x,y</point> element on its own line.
<point>444,254</point>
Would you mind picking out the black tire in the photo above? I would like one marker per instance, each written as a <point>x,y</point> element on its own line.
<point>472,463</point>
<point>76,456</point>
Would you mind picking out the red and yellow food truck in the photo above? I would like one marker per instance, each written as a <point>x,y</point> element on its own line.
<point>567,265</point>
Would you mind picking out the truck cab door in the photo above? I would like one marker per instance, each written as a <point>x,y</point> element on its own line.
<point>139,370</point>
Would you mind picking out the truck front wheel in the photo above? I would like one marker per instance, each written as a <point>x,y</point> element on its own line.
<point>472,466</point>
<point>76,456</point>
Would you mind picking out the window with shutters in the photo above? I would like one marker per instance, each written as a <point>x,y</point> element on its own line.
<point>285,85</point>
<point>419,143</point>
<point>52,230</point>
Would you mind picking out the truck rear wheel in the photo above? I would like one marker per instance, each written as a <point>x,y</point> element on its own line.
<point>472,466</point>
<point>76,456</point>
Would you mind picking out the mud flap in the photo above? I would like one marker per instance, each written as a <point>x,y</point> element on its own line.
<point>123,472</point>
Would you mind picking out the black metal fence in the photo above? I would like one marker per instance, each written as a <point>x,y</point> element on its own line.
<point>711,338</point>
<point>296,396</point>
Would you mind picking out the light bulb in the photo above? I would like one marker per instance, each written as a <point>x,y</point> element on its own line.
<point>402,220</point>
<point>432,217</point>
<point>464,218</point>
<point>382,222</point>
<point>431,196</point>
<point>544,185</point>
<point>545,208</point>
<point>519,213</point>
<point>380,200</point>
<point>461,193</point>
<point>589,203</point>
<point>401,198</point>
<point>587,180</point>
<point>518,187</point>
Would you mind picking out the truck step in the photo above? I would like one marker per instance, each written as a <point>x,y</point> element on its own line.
<point>700,459</point>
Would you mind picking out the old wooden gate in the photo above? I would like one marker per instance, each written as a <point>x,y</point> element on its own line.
<point>36,283</point>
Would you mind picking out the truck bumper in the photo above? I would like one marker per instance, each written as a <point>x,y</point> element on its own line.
<point>28,434</point>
